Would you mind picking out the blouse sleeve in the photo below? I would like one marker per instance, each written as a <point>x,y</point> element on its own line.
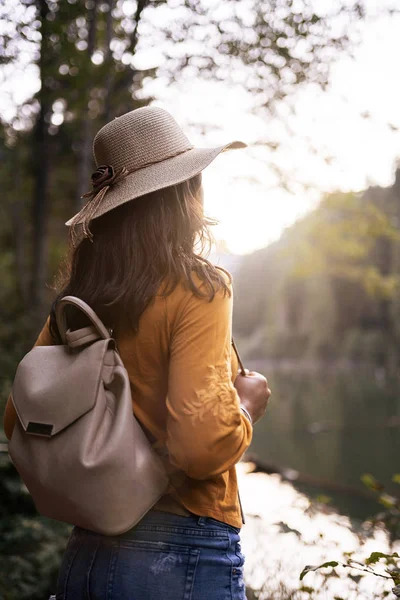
<point>206,431</point>
<point>45,339</point>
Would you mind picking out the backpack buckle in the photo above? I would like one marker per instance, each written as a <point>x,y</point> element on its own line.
<point>39,428</point>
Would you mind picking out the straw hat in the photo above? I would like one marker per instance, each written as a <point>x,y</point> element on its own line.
<point>140,152</point>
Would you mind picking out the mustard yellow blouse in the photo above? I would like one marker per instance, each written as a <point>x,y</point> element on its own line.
<point>182,368</point>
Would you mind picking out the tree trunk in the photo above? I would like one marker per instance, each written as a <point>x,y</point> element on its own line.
<point>85,158</point>
<point>40,165</point>
<point>108,61</point>
<point>125,79</point>
<point>17,211</point>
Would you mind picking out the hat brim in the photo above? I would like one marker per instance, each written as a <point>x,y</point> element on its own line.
<point>157,176</point>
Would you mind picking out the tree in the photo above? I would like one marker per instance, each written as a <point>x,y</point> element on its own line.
<point>269,47</point>
<point>77,51</point>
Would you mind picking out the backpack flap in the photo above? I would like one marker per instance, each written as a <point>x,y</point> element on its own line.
<point>55,385</point>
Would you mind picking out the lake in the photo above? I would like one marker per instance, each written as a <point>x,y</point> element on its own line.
<point>324,429</point>
<point>332,427</point>
<point>285,531</point>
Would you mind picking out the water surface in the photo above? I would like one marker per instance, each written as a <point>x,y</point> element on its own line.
<point>332,427</point>
<point>284,532</point>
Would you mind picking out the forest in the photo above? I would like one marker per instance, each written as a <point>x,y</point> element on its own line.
<point>323,297</point>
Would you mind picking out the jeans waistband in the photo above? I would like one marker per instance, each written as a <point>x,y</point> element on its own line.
<point>164,519</point>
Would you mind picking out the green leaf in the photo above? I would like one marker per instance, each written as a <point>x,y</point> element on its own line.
<point>355,578</point>
<point>322,499</point>
<point>309,568</point>
<point>370,482</point>
<point>284,528</point>
<point>375,557</point>
<point>387,501</point>
<point>394,573</point>
<point>396,478</point>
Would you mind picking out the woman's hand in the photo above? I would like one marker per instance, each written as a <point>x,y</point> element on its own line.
<point>254,393</point>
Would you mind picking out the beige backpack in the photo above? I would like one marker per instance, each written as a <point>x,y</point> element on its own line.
<point>77,445</point>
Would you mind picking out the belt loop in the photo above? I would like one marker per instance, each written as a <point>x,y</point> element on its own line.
<point>97,544</point>
<point>201,521</point>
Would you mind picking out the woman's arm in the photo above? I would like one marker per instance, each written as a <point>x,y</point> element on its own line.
<point>207,433</point>
<point>10,416</point>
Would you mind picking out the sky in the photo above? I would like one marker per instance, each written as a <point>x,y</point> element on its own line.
<point>241,189</point>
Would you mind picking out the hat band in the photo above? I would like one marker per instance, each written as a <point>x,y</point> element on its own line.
<point>154,162</point>
<point>102,179</point>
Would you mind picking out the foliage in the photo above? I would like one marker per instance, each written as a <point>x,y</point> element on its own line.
<point>30,546</point>
<point>389,517</point>
<point>269,47</point>
<point>329,288</point>
<point>391,562</point>
<point>345,229</point>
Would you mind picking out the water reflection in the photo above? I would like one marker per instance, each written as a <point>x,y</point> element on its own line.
<point>334,427</point>
<point>275,559</point>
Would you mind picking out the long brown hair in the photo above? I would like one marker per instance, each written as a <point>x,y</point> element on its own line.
<point>156,240</point>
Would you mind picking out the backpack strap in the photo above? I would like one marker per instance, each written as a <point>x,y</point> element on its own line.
<point>81,337</point>
<point>98,326</point>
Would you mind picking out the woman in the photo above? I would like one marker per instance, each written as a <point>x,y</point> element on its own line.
<point>134,261</point>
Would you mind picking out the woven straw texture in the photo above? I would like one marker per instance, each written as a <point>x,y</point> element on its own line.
<point>151,145</point>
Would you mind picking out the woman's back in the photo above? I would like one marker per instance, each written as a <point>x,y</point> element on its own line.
<point>181,367</point>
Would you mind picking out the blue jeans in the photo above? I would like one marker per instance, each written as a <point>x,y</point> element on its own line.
<point>164,557</point>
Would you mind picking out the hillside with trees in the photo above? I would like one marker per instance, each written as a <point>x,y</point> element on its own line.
<point>329,288</point>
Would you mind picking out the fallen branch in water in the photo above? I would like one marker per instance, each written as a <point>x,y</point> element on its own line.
<point>294,476</point>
